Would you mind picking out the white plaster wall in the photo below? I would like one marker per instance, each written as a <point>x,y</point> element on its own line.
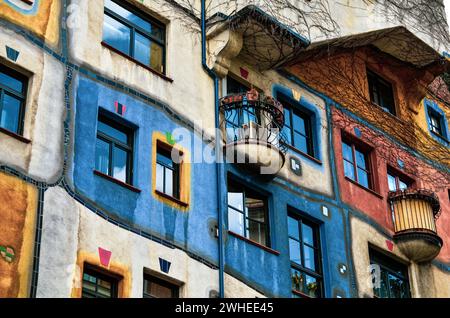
<point>41,159</point>
<point>69,227</point>
<point>191,93</point>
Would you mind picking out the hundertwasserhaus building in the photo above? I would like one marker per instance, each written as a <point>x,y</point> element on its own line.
<point>153,148</point>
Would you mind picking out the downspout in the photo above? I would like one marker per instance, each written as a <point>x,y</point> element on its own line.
<point>218,151</point>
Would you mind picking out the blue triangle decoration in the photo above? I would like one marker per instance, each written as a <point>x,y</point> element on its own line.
<point>12,54</point>
<point>164,265</point>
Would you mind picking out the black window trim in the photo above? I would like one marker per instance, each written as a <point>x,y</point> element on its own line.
<point>22,96</point>
<point>100,274</point>
<point>383,80</point>
<point>316,233</point>
<point>367,156</point>
<point>108,119</point>
<point>176,170</point>
<point>151,278</point>
<point>135,28</point>
<point>440,118</point>
<point>247,189</point>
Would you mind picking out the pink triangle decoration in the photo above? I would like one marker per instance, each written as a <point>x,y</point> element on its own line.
<point>105,256</point>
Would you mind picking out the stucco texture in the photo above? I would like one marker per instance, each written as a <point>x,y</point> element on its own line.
<point>17,227</point>
<point>42,18</point>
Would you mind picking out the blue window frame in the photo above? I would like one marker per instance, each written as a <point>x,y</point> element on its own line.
<point>437,122</point>
<point>356,164</point>
<point>305,256</point>
<point>114,149</point>
<point>134,34</point>
<point>13,87</point>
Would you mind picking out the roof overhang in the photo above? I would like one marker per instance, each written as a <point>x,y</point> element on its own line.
<point>266,43</point>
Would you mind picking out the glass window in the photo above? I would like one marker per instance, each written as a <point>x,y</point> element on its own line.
<point>12,100</point>
<point>304,253</point>
<point>381,92</point>
<point>167,173</point>
<point>247,213</point>
<point>158,288</point>
<point>393,279</point>
<point>298,128</point>
<point>141,38</point>
<point>98,285</point>
<point>435,121</point>
<point>114,149</point>
<point>397,182</point>
<point>356,164</point>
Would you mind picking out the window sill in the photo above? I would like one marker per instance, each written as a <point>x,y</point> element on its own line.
<point>14,135</point>
<point>364,188</point>
<point>267,249</point>
<point>442,138</point>
<point>118,182</point>
<point>302,153</point>
<point>296,292</point>
<point>164,77</point>
<point>171,198</point>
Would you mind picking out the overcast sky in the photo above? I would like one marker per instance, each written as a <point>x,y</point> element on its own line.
<point>447,8</point>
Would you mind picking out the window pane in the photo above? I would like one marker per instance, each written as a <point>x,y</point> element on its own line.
<point>256,232</point>
<point>299,124</point>
<point>392,184</point>
<point>235,87</point>
<point>142,49</point>
<point>156,57</point>
<point>294,251</point>
<point>347,152</point>
<point>236,222</point>
<point>236,200</point>
<point>112,132</point>
<point>120,169</point>
<point>287,117</point>
<point>308,234</point>
<point>116,34</point>
<point>164,158</point>
<point>300,142</point>
<point>310,257</point>
<point>398,287</point>
<point>363,178</point>
<point>11,82</point>
<point>102,156</point>
<point>402,185</point>
<point>126,14</point>
<point>169,182</point>
<point>349,170</point>
<point>255,209</point>
<point>10,113</point>
<point>287,132</point>
<point>159,177</point>
<point>159,291</point>
<point>361,160</point>
<point>293,228</point>
<point>312,286</point>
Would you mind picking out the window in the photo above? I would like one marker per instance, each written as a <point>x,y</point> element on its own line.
<point>158,288</point>
<point>397,182</point>
<point>356,164</point>
<point>167,172</point>
<point>98,285</point>
<point>381,92</point>
<point>134,34</point>
<point>393,279</point>
<point>247,213</point>
<point>236,87</point>
<point>13,87</point>
<point>435,122</point>
<point>114,149</point>
<point>304,252</point>
<point>298,129</point>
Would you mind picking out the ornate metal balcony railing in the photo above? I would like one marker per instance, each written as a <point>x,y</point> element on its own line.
<point>253,117</point>
<point>414,215</point>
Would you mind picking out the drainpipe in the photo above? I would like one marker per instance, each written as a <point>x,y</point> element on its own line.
<point>218,151</point>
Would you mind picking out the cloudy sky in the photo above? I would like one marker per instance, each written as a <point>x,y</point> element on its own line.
<point>447,8</point>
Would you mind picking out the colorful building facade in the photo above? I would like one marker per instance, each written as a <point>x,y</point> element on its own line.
<point>113,184</point>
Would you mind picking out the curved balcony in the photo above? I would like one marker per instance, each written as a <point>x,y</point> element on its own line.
<point>253,125</point>
<point>414,214</point>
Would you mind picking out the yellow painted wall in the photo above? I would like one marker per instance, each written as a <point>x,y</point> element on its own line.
<point>18,205</point>
<point>44,22</point>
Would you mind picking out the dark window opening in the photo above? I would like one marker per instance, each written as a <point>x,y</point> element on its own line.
<point>167,172</point>
<point>436,123</point>
<point>357,164</point>
<point>391,281</point>
<point>114,149</point>
<point>134,34</point>
<point>96,284</point>
<point>305,256</point>
<point>247,213</point>
<point>157,288</point>
<point>298,128</point>
<point>13,88</point>
<point>381,92</point>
